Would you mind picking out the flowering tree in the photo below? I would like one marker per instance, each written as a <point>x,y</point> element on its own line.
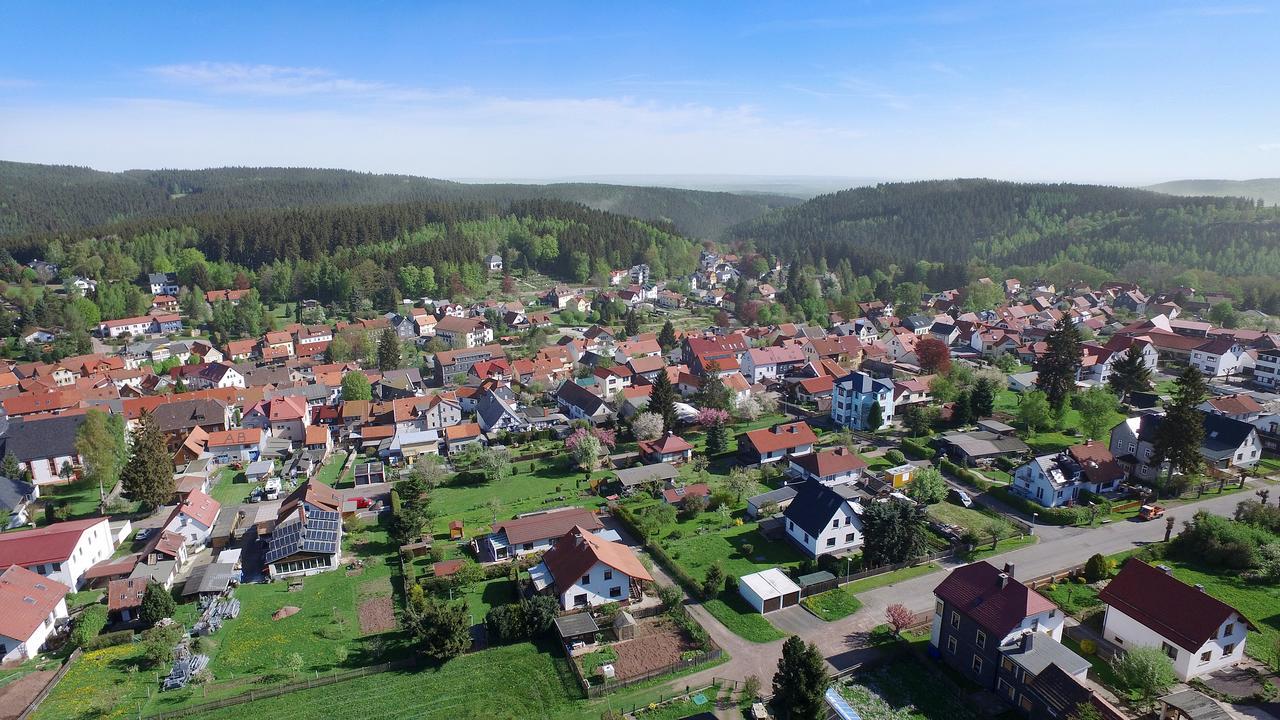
<point>714,420</point>
<point>899,617</point>
<point>647,426</point>
<point>607,438</point>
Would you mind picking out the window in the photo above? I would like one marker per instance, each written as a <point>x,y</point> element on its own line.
<point>580,600</point>
<point>527,546</point>
<point>980,639</point>
<point>615,591</point>
<point>57,566</point>
<point>806,537</point>
<point>851,537</point>
<point>831,542</point>
<point>1025,703</point>
<point>1229,649</point>
<point>1006,664</point>
<point>1206,656</point>
<point>955,619</point>
<point>976,665</point>
<point>951,645</point>
<point>586,579</point>
<point>791,525</point>
<point>835,523</point>
<point>1169,650</point>
<point>1005,688</point>
<point>937,608</point>
<point>1230,628</point>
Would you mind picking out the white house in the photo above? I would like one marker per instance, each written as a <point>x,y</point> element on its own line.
<point>30,607</point>
<point>1227,443</point>
<point>61,551</point>
<point>772,444</point>
<point>1266,371</point>
<point>463,332</point>
<point>1221,357</point>
<point>239,445</point>
<point>586,570</point>
<point>534,532</point>
<point>822,521</point>
<point>759,364</point>
<point>1058,478</point>
<point>834,466</point>
<point>194,518</point>
<point>1148,607</point>
<point>853,396</point>
<point>768,590</point>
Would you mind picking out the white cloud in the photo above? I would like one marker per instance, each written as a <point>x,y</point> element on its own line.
<point>1269,147</point>
<point>276,81</point>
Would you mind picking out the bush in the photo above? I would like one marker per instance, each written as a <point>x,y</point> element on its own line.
<point>111,639</point>
<point>670,595</point>
<point>88,625</point>
<point>747,549</point>
<point>1088,647</point>
<point>895,456</point>
<point>1220,541</point>
<point>1048,516</point>
<point>1096,569</point>
<point>731,583</point>
<point>916,449</point>
<point>714,582</point>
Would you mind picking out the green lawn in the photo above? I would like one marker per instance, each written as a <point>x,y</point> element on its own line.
<point>328,473</point>
<point>1100,670</point>
<point>230,487</point>
<point>1074,598</point>
<point>248,650</point>
<point>890,578</point>
<point>483,596</point>
<point>525,491</point>
<point>1006,545</point>
<point>833,604</point>
<point>978,520</point>
<point>698,552</point>
<point>904,689</point>
<point>735,614</point>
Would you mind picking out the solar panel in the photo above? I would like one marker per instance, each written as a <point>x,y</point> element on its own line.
<point>841,706</point>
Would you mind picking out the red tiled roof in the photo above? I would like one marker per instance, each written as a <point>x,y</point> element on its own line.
<point>239,436</point>
<point>201,508</point>
<point>52,543</point>
<point>317,435</point>
<point>26,600</point>
<point>547,525</point>
<point>675,496</point>
<point>665,445</point>
<point>998,604</point>
<point>1237,404</point>
<point>830,462</point>
<point>577,551</point>
<point>1182,614</point>
<point>125,593</point>
<point>781,437</point>
<point>462,431</point>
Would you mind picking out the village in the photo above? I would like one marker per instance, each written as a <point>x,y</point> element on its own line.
<point>633,500</point>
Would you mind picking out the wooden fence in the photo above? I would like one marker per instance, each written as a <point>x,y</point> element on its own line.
<point>598,691</point>
<point>315,682</point>
<point>48,688</point>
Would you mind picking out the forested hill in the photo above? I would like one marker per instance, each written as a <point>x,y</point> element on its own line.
<point>1018,224</point>
<point>49,199</point>
<point>1265,189</point>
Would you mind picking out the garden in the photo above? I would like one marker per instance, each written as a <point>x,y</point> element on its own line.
<point>904,689</point>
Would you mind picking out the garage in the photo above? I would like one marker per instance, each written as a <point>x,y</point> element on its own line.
<point>769,590</point>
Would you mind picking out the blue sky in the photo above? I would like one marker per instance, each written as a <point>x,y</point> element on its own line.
<point>1122,92</point>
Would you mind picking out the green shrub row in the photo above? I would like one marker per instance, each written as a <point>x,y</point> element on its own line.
<point>111,639</point>
<point>1048,516</point>
<point>966,476</point>
<point>916,449</point>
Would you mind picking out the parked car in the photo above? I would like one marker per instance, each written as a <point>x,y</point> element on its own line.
<point>1150,512</point>
<point>143,534</point>
<point>961,497</point>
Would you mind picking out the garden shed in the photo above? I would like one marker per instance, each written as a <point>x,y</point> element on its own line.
<point>769,590</point>
<point>624,626</point>
<point>577,628</point>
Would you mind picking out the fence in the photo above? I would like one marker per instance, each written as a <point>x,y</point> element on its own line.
<point>48,688</point>
<point>598,691</point>
<point>285,689</point>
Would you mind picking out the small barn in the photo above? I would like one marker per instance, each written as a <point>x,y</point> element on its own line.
<point>577,628</point>
<point>769,590</point>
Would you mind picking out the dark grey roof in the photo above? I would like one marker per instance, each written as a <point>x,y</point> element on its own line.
<point>814,506</point>
<point>814,578</point>
<point>863,383</point>
<point>1036,651</point>
<point>577,624</point>
<point>1058,690</point>
<point>778,496</point>
<point>210,578</point>
<point>13,493</point>
<point>186,414</point>
<point>578,396</point>
<point>1221,433</point>
<point>1196,705</point>
<point>49,437</point>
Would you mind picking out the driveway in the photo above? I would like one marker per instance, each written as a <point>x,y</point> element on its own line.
<point>795,620</point>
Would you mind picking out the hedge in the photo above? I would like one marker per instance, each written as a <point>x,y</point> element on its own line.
<point>966,476</point>
<point>1048,516</point>
<point>916,449</point>
<point>111,639</point>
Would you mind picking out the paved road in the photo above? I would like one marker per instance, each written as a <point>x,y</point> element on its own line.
<point>844,642</point>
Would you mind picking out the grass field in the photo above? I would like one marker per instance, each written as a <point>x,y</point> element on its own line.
<point>1259,602</point>
<point>969,518</point>
<point>329,472</point>
<point>525,491</point>
<point>697,553</point>
<point>229,487</point>
<point>735,614</point>
<point>483,596</point>
<point>890,578</point>
<point>904,689</point>
<point>1074,598</point>
<point>833,604</point>
<point>1006,545</point>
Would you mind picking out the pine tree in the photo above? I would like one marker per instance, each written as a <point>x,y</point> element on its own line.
<point>389,350</point>
<point>1129,374</point>
<point>667,336</point>
<point>875,416</point>
<point>1060,363</point>
<point>157,604</point>
<point>1181,431</point>
<point>713,393</point>
<point>662,401</point>
<point>631,325</point>
<point>148,474</point>
<point>800,681</point>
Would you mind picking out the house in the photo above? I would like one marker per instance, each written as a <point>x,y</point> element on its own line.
<point>124,599</point>
<point>534,532</point>
<point>451,363</point>
<point>177,419</point>
<point>463,332</point>
<point>774,501</point>
<point>578,403</point>
<point>991,440</point>
<point>772,444</point>
<point>1221,357</point>
<point>1148,607</point>
<point>458,437</point>
<point>652,475</point>
<point>853,397</point>
<point>163,283</point>
<point>194,518</point>
<point>319,442</point>
<point>669,448</point>
<point>307,538</point>
<point>495,412</point>
<point>677,495</point>
<point>822,521</point>
<point>494,262</point>
<point>1266,371</point>
<point>1227,443</point>
<point>1057,479</point>
<point>16,497</point>
<point>131,326</point>
<point>61,551</point>
<point>1237,406</point>
<point>586,570</point>
<point>768,590</point>
<point>30,608</point>
<point>760,364</point>
<point>240,445</point>
<point>214,375</point>
<point>834,466</point>
<point>45,447</point>
<point>980,612</point>
<point>285,417</point>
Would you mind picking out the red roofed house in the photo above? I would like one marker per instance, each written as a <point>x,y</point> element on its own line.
<point>587,570</point>
<point>836,466</point>
<point>286,417</point>
<point>1148,607</point>
<point>61,551</point>
<point>242,445</point>
<point>669,448</point>
<point>30,607</point>
<point>677,495</point>
<point>534,532</point>
<point>772,444</point>
<point>124,598</point>
<point>194,518</point>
